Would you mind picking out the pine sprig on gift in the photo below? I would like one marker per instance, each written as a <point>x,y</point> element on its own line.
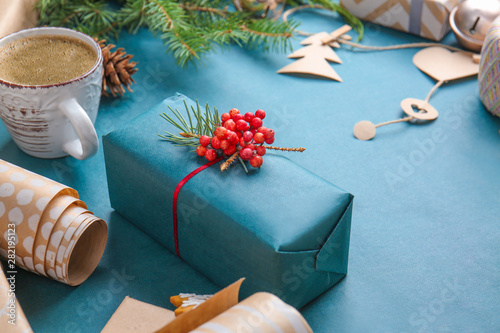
<point>198,123</point>
<point>232,136</point>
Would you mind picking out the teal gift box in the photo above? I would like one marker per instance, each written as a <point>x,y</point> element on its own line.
<point>281,227</point>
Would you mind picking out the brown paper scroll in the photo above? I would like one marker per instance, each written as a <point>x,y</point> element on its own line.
<point>12,318</point>
<point>261,312</point>
<point>56,235</point>
<point>16,15</point>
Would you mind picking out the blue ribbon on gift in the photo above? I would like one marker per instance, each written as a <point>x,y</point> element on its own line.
<point>416,9</point>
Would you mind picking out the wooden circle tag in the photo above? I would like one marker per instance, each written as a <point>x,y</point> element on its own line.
<point>365,130</point>
<point>430,113</point>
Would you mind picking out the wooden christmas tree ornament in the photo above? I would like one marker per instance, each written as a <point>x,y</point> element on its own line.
<point>440,64</point>
<point>314,58</point>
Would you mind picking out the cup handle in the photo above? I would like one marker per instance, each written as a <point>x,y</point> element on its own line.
<point>87,143</point>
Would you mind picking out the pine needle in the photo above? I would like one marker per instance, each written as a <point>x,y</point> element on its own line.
<point>190,130</point>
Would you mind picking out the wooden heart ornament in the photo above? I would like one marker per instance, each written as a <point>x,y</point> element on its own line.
<point>444,65</point>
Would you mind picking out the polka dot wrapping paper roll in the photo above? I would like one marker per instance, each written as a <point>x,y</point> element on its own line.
<point>489,70</point>
<point>55,234</point>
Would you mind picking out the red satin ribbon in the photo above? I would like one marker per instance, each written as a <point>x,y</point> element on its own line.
<point>176,195</point>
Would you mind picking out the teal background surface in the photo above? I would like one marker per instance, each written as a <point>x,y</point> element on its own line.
<point>425,236</point>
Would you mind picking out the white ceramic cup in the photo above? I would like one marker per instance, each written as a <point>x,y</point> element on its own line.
<point>54,120</point>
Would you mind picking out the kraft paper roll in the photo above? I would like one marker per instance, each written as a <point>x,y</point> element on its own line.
<point>82,243</point>
<point>56,235</point>
<point>62,254</point>
<point>261,312</point>
<point>52,213</point>
<point>12,318</point>
<point>63,224</point>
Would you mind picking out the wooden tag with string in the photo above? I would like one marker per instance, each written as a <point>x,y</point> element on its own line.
<point>440,64</point>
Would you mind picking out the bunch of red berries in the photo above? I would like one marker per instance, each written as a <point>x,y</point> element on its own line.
<point>239,133</point>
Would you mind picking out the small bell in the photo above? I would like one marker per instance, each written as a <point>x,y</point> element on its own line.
<point>471,19</point>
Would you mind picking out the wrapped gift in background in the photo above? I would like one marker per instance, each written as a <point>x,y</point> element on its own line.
<point>425,18</point>
<point>283,228</point>
<point>16,15</point>
<point>489,70</point>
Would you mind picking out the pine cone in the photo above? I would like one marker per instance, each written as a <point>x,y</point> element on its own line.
<point>118,70</point>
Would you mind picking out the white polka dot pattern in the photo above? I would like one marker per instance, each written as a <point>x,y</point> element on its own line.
<point>37,182</point>
<point>25,197</point>
<point>42,203</point>
<point>17,177</point>
<point>28,244</point>
<point>33,221</point>
<point>46,216</point>
<point>6,190</point>
<point>16,216</point>
<point>29,263</point>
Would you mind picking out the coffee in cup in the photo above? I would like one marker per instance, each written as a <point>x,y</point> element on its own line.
<point>45,59</point>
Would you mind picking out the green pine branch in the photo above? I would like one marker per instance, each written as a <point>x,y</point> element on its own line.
<point>270,35</point>
<point>133,15</point>
<point>212,25</point>
<point>95,18</point>
<point>202,11</point>
<point>189,29</point>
